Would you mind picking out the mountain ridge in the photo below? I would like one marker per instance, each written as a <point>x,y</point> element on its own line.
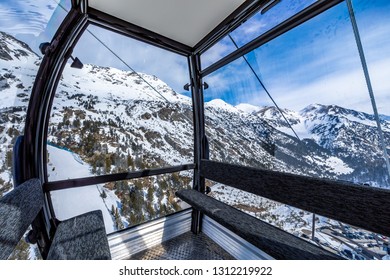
<point>125,99</point>
<point>105,121</point>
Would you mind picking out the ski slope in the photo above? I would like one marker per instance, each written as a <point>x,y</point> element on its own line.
<point>72,202</point>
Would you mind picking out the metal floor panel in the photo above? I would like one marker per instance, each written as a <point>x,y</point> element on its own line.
<point>187,246</point>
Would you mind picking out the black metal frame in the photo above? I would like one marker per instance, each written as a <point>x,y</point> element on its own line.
<point>301,17</point>
<point>82,182</point>
<point>34,152</point>
<point>246,10</point>
<point>197,101</point>
<point>136,32</point>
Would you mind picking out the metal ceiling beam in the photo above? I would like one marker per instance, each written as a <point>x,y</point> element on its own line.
<point>231,22</point>
<point>136,32</point>
<point>301,17</point>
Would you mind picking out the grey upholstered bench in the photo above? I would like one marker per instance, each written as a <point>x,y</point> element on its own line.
<point>80,238</point>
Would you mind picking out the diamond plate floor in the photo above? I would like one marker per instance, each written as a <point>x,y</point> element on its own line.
<point>187,246</point>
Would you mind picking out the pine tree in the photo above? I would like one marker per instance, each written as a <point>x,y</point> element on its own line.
<point>8,158</point>
<point>150,194</point>
<point>112,209</point>
<point>108,164</point>
<point>103,195</point>
<point>130,161</point>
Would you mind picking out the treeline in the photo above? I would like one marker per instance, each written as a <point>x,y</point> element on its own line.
<point>109,146</point>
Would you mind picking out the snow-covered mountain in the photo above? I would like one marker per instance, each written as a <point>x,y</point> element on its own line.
<point>125,110</point>
<point>333,142</point>
<point>104,120</point>
<point>345,134</point>
<point>107,120</point>
<point>18,64</point>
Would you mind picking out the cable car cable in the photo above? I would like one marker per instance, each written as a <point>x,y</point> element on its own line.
<point>368,81</point>
<point>127,65</point>
<point>281,112</point>
<point>265,89</point>
<point>118,57</point>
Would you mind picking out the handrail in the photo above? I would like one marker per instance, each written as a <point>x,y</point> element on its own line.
<point>87,181</point>
<point>299,18</point>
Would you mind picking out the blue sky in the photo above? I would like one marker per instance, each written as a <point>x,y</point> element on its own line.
<point>317,62</point>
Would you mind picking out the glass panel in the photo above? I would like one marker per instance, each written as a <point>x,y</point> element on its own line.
<point>290,219</point>
<point>375,37</point>
<point>351,242</point>
<point>347,241</point>
<point>23,26</point>
<point>125,203</point>
<point>119,116</point>
<point>121,112</point>
<point>268,17</point>
<point>32,22</point>
<point>323,124</point>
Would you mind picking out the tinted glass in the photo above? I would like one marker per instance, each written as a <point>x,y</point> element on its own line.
<point>270,15</point>
<point>122,112</point>
<point>119,115</point>
<point>303,109</point>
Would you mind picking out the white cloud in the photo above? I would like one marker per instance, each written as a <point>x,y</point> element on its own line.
<point>333,77</point>
<point>325,69</point>
<point>345,88</point>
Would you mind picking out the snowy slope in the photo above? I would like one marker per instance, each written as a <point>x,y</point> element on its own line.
<point>107,82</point>
<point>222,105</point>
<point>134,109</point>
<point>18,64</point>
<point>72,202</point>
<point>107,120</point>
<point>247,108</point>
<point>133,120</point>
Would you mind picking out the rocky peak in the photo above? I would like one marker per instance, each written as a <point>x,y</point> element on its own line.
<point>13,49</point>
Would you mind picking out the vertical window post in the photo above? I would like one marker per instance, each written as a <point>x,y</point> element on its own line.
<point>198,111</point>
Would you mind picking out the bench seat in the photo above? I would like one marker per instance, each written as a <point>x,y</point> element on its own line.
<point>273,241</point>
<point>81,238</point>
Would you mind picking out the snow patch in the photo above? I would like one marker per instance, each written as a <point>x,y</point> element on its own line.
<point>219,103</point>
<point>338,166</point>
<point>248,108</point>
<point>72,202</point>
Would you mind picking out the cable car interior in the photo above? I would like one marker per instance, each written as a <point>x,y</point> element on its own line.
<point>240,129</point>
